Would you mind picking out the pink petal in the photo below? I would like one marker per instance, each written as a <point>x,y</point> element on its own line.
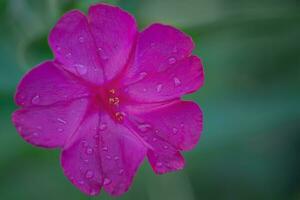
<point>122,153</point>
<point>114,31</point>
<point>178,123</point>
<point>80,158</point>
<point>40,86</point>
<point>49,126</point>
<point>74,46</point>
<point>165,161</point>
<point>159,47</point>
<point>185,76</point>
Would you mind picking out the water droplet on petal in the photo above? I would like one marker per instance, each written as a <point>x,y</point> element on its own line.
<point>102,126</point>
<point>104,148</point>
<point>154,139</point>
<point>159,87</point>
<point>89,174</point>
<point>108,157</point>
<point>121,171</point>
<point>171,61</point>
<point>61,121</point>
<point>58,48</point>
<point>93,192</point>
<point>68,55</point>
<point>81,182</point>
<point>175,50</point>
<point>116,158</point>
<point>89,150</point>
<point>106,181</point>
<point>84,143</point>
<point>175,130</point>
<point>60,130</point>
<point>177,82</point>
<point>35,134</point>
<point>81,39</point>
<point>142,75</point>
<point>166,147</point>
<point>159,164</point>
<point>35,99</point>
<point>81,69</point>
<point>144,127</point>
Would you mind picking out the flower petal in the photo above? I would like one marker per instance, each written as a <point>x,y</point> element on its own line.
<point>178,123</point>
<point>121,155</point>
<point>74,46</point>
<point>165,161</point>
<point>80,158</point>
<point>47,84</point>
<point>114,31</point>
<point>49,126</point>
<point>186,76</point>
<point>158,47</point>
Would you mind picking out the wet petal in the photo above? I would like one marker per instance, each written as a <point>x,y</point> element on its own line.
<point>80,158</point>
<point>121,155</point>
<point>49,126</point>
<point>114,31</point>
<point>178,123</point>
<point>165,161</point>
<point>74,46</point>
<point>185,76</point>
<point>40,86</point>
<point>159,47</point>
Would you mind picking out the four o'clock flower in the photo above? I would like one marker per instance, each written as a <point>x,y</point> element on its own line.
<point>111,97</point>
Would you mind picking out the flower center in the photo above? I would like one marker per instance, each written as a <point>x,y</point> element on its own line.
<point>109,100</point>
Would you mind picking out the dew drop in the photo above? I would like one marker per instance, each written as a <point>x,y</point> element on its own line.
<point>68,55</point>
<point>175,50</point>
<point>81,69</point>
<point>107,181</point>
<point>166,147</point>
<point>93,192</point>
<point>159,87</point>
<point>108,157</point>
<point>84,143</point>
<point>58,48</point>
<point>89,150</point>
<point>81,182</point>
<point>159,164</point>
<point>171,61</point>
<point>89,174</point>
<point>102,126</point>
<point>175,130</point>
<point>144,127</point>
<point>154,139</point>
<point>121,171</point>
<point>142,75</point>
<point>81,39</point>
<point>35,99</point>
<point>177,82</point>
<point>104,148</point>
<point>116,158</point>
<point>60,130</point>
<point>35,134</point>
<point>61,121</point>
<point>96,136</point>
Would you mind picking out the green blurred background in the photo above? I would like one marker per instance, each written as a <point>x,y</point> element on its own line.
<point>250,147</point>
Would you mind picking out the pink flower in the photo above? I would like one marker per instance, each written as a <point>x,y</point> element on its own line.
<point>111,97</point>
